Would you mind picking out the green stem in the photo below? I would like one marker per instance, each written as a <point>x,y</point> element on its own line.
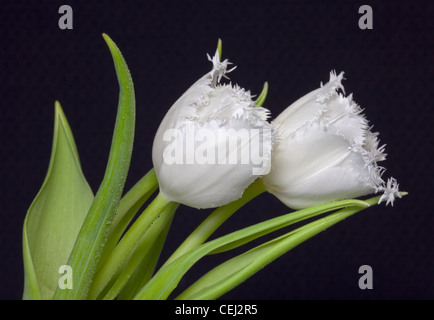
<point>133,201</point>
<point>145,245</point>
<point>146,267</point>
<point>233,272</point>
<point>130,203</point>
<point>238,269</point>
<point>126,246</point>
<point>168,277</point>
<point>215,220</point>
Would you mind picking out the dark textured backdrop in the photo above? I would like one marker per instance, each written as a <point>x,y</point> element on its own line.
<point>291,44</point>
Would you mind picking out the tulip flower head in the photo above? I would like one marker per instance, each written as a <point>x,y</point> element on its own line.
<point>212,143</point>
<point>325,151</point>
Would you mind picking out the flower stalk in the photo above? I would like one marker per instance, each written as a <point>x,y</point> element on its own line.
<point>215,220</point>
<point>136,235</point>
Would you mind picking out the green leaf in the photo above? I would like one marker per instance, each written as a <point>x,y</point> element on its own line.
<point>56,214</point>
<point>219,47</point>
<point>168,277</point>
<point>146,267</point>
<point>262,96</point>
<point>129,205</point>
<point>233,272</point>
<point>90,241</point>
<point>138,235</point>
<point>144,246</point>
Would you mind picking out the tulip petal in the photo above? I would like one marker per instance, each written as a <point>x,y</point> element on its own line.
<point>224,172</point>
<point>195,163</point>
<point>325,150</point>
<point>320,166</point>
<point>307,108</point>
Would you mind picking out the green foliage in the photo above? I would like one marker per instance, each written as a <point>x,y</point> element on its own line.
<point>56,215</point>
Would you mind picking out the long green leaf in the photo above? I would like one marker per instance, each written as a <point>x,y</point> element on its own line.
<point>85,255</point>
<point>145,245</point>
<point>233,272</point>
<point>168,277</point>
<point>56,214</point>
<point>115,262</point>
<point>145,269</point>
<point>129,205</point>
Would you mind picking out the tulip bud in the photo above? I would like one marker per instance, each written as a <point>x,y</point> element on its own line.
<point>212,143</point>
<point>325,151</point>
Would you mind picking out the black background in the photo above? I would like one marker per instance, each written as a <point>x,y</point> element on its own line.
<point>291,44</point>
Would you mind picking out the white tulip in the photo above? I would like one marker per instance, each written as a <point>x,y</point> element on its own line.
<point>212,143</point>
<point>325,151</point>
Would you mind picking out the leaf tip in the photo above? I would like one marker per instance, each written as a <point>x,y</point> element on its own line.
<point>263,95</point>
<point>58,108</point>
<point>108,40</point>
<point>219,47</point>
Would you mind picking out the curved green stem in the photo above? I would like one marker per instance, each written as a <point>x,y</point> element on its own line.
<point>215,220</point>
<point>126,246</point>
<point>145,246</point>
<point>233,272</point>
<point>145,268</point>
<point>129,205</point>
<point>167,278</point>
